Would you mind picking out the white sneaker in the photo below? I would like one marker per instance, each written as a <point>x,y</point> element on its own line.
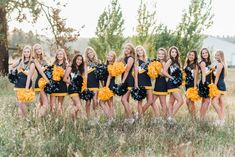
<point>131,121</point>
<point>171,120</point>
<point>109,122</point>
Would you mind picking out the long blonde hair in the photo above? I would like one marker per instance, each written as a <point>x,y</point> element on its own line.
<point>35,55</point>
<point>87,59</point>
<point>65,61</point>
<point>165,53</point>
<point>141,47</point>
<point>23,57</point>
<point>221,53</point>
<point>132,49</point>
<point>114,56</point>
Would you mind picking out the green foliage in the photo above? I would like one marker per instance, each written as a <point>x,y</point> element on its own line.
<point>109,31</point>
<point>198,18</point>
<point>146,28</point>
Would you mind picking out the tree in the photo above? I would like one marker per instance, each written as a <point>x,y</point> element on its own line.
<point>34,9</point>
<point>146,28</point>
<point>109,31</point>
<point>189,32</point>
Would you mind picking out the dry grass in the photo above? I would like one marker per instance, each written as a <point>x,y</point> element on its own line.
<point>57,136</point>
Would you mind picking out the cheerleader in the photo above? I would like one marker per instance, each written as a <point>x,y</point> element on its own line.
<point>75,73</point>
<point>206,79</point>
<point>40,66</point>
<point>143,80</point>
<point>60,62</point>
<point>128,79</point>
<point>171,69</point>
<point>220,72</point>
<point>109,82</point>
<point>24,67</point>
<point>92,81</point>
<point>191,71</point>
<point>160,88</point>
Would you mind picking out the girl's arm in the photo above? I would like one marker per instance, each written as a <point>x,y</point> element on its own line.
<point>66,78</point>
<point>129,64</point>
<point>15,64</point>
<point>40,70</point>
<point>136,71</point>
<point>195,76</point>
<point>218,72</point>
<point>203,69</point>
<point>165,69</point>
<point>85,71</point>
<point>108,81</point>
<point>30,75</point>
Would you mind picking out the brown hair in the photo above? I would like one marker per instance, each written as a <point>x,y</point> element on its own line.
<point>177,58</point>
<point>74,65</point>
<point>64,64</point>
<point>204,59</point>
<point>195,62</point>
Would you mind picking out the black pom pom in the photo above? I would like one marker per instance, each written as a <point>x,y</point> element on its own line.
<point>48,72</point>
<point>101,71</point>
<point>77,83</point>
<point>13,76</point>
<point>119,89</point>
<point>203,90</point>
<point>87,95</point>
<point>52,87</point>
<point>138,93</point>
<point>177,77</point>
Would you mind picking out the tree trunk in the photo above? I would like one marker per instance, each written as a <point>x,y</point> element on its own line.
<point>3,42</point>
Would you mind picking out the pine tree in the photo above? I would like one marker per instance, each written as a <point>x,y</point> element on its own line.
<point>109,31</point>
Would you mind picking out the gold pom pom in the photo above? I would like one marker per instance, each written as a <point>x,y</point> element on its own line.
<point>184,79</point>
<point>41,83</point>
<point>116,69</point>
<point>192,94</point>
<point>213,90</point>
<point>84,84</point>
<point>25,95</point>
<point>105,94</point>
<point>154,68</point>
<point>57,73</point>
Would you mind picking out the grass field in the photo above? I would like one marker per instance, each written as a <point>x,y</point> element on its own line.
<point>57,136</point>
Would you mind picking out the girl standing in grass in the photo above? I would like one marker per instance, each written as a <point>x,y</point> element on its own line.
<point>172,67</point>
<point>60,62</point>
<point>109,82</point>
<point>143,80</point>
<point>218,101</point>
<point>191,71</point>
<point>74,72</point>
<point>206,79</point>
<point>91,61</point>
<point>128,79</point>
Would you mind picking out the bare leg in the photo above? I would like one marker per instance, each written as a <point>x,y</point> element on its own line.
<point>22,109</point>
<point>162,99</point>
<point>88,108</point>
<point>125,103</point>
<point>52,104</point>
<point>178,97</point>
<point>204,108</point>
<point>60,104</point>
<point>191,108</point>
<point>222,106</point>
<point>215,103</point>
<point>171,105</point>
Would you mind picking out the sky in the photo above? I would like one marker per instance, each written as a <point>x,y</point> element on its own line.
<point>169,13</point>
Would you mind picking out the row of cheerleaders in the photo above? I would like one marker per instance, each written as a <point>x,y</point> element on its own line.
<point>86,78</point>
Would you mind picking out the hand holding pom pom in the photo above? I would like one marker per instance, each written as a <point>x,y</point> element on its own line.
<point>154,68</point>
<point>213,90</point>
<point>13,76</point>
<point>138,93</point>
<point>116,69</point>
<point>41,83</point>
<point>105,94</point>
<point>120,89</point>
<point>87,95</point>
<point>192,94</point>
<point>25,95</point>
<point>101,71</point>
<point>57,73</point>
